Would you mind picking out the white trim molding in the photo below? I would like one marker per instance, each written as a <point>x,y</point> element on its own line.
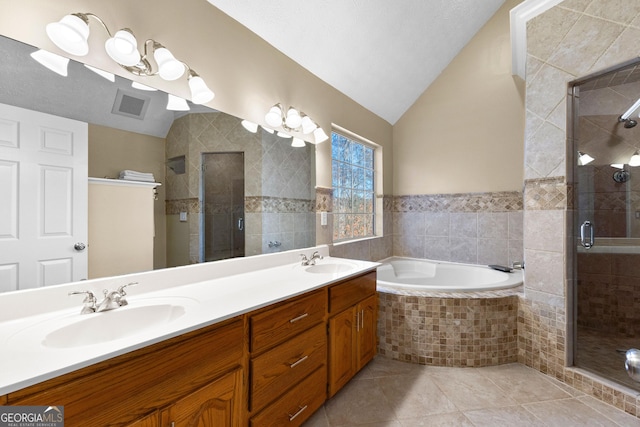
<point>519,16</point>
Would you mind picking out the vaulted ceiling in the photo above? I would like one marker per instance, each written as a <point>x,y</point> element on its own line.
<point>381,54</point>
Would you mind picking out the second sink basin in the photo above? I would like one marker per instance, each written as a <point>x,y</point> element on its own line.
<point>330,268</point>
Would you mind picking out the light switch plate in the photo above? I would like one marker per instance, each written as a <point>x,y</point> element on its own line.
<point>183,217</point>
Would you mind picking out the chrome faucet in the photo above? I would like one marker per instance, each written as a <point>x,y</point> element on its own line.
<point>112,300</point>
<point>310,261</point>
<point>89,302</point>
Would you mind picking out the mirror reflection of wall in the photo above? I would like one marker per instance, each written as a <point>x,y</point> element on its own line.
<point>279,187</point>
<point>151,142</point>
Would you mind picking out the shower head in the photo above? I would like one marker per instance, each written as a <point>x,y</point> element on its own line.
<point>628,123</point>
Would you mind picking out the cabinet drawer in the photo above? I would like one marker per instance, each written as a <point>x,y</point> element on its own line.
<point>275,325</point>
<point>346,294</point>
<point>297,405</point>
<point>281,367</point>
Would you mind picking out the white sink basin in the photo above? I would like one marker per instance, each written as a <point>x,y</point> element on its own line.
<point>329,268</point>
<point>73,330</point>
<point>112,325</point>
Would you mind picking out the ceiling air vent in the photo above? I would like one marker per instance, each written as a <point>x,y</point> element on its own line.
<point>130,104</point>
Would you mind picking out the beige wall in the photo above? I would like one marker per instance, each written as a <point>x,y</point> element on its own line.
<point>465,133</point>
<point>112,150</point>
<point>247,75</point>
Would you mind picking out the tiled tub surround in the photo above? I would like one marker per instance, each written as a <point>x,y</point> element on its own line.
<point>571,40</point>
<point>475,228</point>
<point>449,329</point>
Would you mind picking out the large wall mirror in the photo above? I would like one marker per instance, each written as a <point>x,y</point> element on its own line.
<point>225,191</point>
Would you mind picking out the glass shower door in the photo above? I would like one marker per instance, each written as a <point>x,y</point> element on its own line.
<point>606,222</point>
<point>223,222</point>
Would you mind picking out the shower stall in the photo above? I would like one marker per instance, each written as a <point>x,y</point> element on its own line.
<point>603,149</point>
<point>223,221</point>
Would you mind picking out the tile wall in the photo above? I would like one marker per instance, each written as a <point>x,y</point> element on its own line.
<point>278,187</point>
<point>482,228</point>
<point>571,40</point>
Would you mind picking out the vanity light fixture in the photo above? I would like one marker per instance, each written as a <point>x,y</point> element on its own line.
<point>56,63</point>
<point>250,126</point>
<point>584,158</point>
<point>297,142</point>
<point>71,34</point>
<point>294,121</point>
<point>175,103</point>
<point>635,159</point>
<point>105,74</point>
<point>140,86</point>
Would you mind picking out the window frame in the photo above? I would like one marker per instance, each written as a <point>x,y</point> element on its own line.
<point>370,201</point>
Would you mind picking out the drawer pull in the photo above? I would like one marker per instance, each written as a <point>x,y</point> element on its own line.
<point>295,319</point>
<point>299,361</point>
<point>292,417</point>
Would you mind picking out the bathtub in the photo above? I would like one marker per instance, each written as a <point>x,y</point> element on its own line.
<point>447,314</point>
<point>425,275</point>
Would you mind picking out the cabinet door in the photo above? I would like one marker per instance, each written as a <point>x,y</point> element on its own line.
<point>342,341</point>
<point>151,420</point>
<point>218,404</point>
<point>367,316</point>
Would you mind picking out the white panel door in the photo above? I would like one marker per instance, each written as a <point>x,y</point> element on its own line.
<point>43,199</point>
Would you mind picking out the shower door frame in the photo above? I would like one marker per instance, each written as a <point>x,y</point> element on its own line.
<point>573,208</point>
<point>202,199</point>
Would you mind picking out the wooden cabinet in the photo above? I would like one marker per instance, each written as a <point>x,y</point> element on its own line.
<point>130,388</point>
<point>352,330</point>
<point>270,367</point>
<point>151,420</point>
<point>288,360</point>
<point>218,404</point>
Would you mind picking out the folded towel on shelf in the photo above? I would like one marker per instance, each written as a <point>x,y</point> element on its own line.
<point>137,176</point>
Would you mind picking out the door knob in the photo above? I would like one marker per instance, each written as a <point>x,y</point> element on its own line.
<point>79,246</point>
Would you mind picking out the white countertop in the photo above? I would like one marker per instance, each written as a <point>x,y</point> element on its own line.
<point>267,279</point>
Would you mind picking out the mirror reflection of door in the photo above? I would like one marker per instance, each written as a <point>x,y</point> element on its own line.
<point>43,199</point>
<point>223,206</point>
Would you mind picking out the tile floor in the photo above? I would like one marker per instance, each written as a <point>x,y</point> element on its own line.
<point>388,393</point>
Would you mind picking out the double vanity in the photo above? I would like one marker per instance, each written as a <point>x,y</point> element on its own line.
<point>257,341</point>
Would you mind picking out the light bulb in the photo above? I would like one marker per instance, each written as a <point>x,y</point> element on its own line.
<point>250,126</point>
<point>56,63</point>
<point>293,119</point>
<point>140,86</point>
<point>104,74</point>
<point>274,116</point>
<point>319,136</point>
<point>70,34</point>
<point>297,142</point>
<point>200,93</point>
<point>123,48</point>
<point>169,67</point>
<point>175,103</point>
<point>308,125</point>
<point>584,158</point>
<point>635,159</point>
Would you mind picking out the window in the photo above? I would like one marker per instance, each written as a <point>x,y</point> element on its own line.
<point>352,164</point>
